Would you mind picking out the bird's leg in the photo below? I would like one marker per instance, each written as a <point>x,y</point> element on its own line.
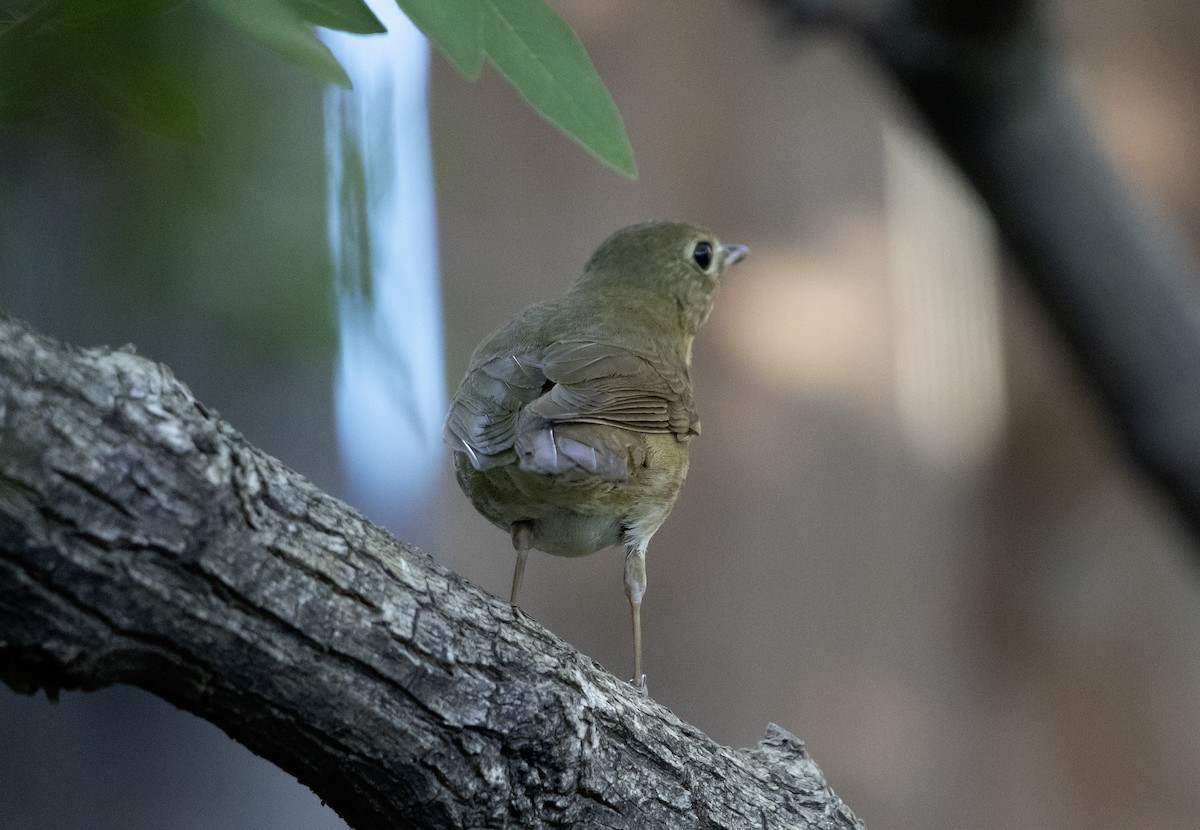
<point>522,539</point>
<point>635,589</point>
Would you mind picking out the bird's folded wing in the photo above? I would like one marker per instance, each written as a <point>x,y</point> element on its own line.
<point>483,415</point>
<point>531,408</point>
<point>599,383</point>
<point>593,449</point>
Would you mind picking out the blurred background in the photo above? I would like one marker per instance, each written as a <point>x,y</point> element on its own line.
<point>907,535</point>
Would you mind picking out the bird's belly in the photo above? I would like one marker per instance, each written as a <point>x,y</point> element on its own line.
<point>567,533</point>
<point>578,514</point>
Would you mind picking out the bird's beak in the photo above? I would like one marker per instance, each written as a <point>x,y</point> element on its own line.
<point>734,253</point>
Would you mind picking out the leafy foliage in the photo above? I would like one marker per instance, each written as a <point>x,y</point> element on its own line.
<point>455,27</point>
<point>540,56</point>
<point>121,53</point>
<point>279,26</point>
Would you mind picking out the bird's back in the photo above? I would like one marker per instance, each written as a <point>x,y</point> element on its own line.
<point>556,424</point>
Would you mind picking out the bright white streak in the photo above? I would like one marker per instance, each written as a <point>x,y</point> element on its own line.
<point>389,386</point>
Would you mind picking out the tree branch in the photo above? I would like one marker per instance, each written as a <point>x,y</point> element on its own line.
<point>143,541</point>
<point>1118,282</point>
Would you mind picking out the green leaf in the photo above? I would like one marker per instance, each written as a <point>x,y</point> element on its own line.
<point>24,80</point>
<point>106,49</point>
<point>54,17</point>
<point>455,27</point>
<point>142,91</point>
<point>276,26</point>
<point>352,16</point>
<point>539,55</point>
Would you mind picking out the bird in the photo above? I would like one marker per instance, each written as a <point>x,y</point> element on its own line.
<point>571,426</point>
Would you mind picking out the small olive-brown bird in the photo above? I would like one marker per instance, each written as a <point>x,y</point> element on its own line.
<point>571,427</point>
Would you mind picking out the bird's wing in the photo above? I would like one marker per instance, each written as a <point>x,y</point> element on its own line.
<point>548,411</point>
<point>599,383</point>
<point>483,414</point>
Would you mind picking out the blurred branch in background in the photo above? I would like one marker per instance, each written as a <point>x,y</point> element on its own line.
<point>1118,282</point>
<point>944,275</point>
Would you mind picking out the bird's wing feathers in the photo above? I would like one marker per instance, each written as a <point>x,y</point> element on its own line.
<point>536,408</point>
<point>483,415</point>
<point>599,383</point>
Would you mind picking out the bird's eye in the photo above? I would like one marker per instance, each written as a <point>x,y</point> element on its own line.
<point>702,254</point>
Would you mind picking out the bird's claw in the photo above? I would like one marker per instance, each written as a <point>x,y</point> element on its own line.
<point>639,683</point>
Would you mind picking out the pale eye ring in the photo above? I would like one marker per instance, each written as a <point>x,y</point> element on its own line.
<point>702,254</point>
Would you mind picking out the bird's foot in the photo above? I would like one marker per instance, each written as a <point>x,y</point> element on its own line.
<point>639,683</point>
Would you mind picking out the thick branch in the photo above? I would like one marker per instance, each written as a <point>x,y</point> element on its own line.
<point>1118,282</point>
<point>143,541</point>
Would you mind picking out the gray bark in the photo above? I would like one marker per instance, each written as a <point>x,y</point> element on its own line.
<point>1118,282</point>
<point>144,541</point>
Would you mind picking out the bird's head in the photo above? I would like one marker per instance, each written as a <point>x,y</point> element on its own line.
<point>680,263</point>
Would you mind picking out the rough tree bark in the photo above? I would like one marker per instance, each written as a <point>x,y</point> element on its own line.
<point>144,541</point>
<point>988,78</point>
